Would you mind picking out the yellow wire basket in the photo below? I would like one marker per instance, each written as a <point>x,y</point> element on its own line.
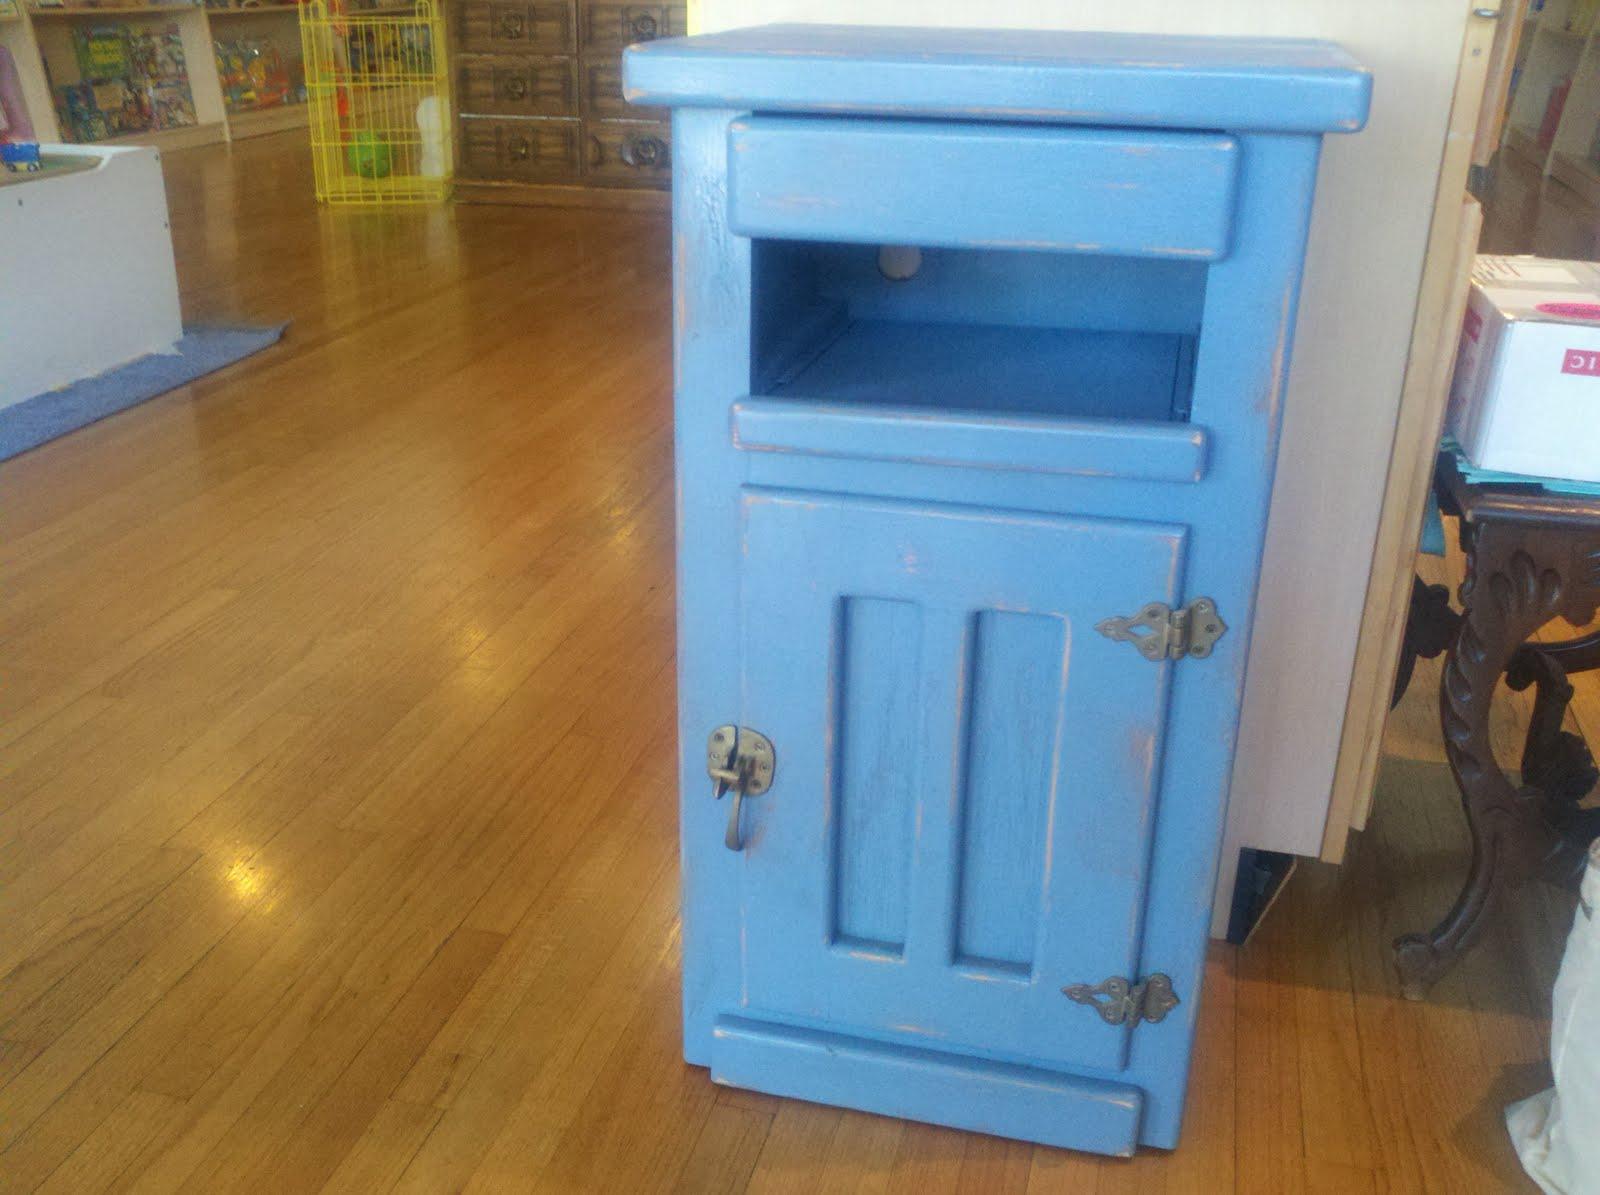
<point>379,99</point>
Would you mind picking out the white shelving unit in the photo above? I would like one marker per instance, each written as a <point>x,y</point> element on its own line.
<point>1559,50</point>
<point>40,40</point>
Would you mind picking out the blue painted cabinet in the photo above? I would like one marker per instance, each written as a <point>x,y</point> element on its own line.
<point>980,348</point>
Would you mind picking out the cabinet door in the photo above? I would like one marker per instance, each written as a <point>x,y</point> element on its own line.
<point>961,817</point>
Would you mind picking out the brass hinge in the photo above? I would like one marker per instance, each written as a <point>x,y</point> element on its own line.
<point>1169,634</point>
<point>1122,1003</point>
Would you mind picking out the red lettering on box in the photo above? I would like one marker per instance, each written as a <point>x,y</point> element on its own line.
<point>1582,361</point>
<point>1474,325</point>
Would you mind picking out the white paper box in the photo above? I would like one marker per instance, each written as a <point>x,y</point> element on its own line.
<point>1526,396</point>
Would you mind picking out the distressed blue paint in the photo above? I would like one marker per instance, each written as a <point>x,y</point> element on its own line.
<point>964,1093</point>
<point>1052,77</point>
<point>1054,371</point>
<point>958,184</point>
<point>805,553</point>
<point>878,659</point>
<point>1154,451</point>
<point>1016,670</point>
<point>903,506</point>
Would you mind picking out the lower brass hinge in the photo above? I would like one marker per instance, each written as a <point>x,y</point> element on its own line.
<point>1162,633</point>
<point>1122,1003</point>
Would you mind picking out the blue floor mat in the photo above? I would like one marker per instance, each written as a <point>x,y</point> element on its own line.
<point>200,351</point>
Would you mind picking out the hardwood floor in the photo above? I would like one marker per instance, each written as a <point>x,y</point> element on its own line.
<point>337,832</point>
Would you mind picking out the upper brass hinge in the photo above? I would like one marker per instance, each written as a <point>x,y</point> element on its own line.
<point>1122,1003</point>
<point>1162,633</point>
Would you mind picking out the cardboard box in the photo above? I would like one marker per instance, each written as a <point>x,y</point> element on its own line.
<point>1526,395</point>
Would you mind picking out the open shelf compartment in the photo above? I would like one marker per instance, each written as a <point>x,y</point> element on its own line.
<point>1083,364</point>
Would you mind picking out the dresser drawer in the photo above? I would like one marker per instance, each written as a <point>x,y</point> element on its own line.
<point>600,88</point>
<point>506,86</point>
<point>1129,192</point>
<point>536,150</point>
<point>536,27</point>
<point>613,26</point>
<point>637,154</point>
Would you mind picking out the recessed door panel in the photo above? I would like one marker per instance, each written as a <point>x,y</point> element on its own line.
<point>966,771</point>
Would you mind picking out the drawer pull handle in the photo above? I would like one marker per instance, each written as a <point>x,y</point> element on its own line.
<point>520,149</point>
<point>644,27</point>
<point>645,153</point>
<point>741,761</point>
<point>515,87</point>
<point>512,25</point>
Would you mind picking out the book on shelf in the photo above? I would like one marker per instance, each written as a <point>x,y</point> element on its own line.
<point>133,80</point>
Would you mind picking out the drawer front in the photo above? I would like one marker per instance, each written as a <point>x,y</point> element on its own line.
<point>636,155</point>
<point>613,26</point>
<point>520,150</point>
<point>600,82</point>
<point>505,86</point>
<point>540,27</point>
<point>933,183</point>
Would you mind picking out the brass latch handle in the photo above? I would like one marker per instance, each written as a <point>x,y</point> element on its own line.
<point>741,761</point>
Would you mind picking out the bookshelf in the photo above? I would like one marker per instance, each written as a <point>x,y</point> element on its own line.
<point>41,39</point>
<point>1554,118</point>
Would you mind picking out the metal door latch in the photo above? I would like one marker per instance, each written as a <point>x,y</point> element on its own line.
<point>741,761</point>
<point>1122,1003</point>
<point>1169,634</point>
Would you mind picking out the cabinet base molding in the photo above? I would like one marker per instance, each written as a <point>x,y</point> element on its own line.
<point>961,1092</point>
<point>555,195</point>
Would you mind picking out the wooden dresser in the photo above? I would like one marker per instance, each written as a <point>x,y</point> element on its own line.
<point>540,114</point>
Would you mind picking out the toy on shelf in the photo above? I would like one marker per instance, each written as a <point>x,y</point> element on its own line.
<point>133,81</point>
<point>20,157</point>
<point>255,75</point>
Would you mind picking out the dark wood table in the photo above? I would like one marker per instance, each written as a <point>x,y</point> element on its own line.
<point>1532,557</point>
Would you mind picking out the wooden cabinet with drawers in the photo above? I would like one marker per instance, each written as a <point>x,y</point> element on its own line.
<point>540,114</point>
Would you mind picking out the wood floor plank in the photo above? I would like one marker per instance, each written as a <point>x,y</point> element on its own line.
<point>96,1164</point>
<point>725,1153</point>
<point>338,767</point>
<point>385,1148</point>
<point>294,869</point>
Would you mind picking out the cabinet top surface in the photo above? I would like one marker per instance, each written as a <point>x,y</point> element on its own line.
<point>1231,83</point>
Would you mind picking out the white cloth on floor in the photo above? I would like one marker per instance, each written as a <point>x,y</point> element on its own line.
<point>1557,1132</point>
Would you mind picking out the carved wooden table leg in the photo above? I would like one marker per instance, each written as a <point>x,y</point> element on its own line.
<point>1555,760</point>
<point>1431,627</point>
<point>1523,572</point>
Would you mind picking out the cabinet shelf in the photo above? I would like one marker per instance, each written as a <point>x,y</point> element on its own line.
<point>180,137</point>
<point>256,122</point>
<point>1026,370</point>
<point>121,10</point>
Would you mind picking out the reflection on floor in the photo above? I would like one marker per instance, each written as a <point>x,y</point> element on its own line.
<point>337,833</point>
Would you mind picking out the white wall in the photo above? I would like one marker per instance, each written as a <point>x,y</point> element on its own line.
<point>1368,239</point>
